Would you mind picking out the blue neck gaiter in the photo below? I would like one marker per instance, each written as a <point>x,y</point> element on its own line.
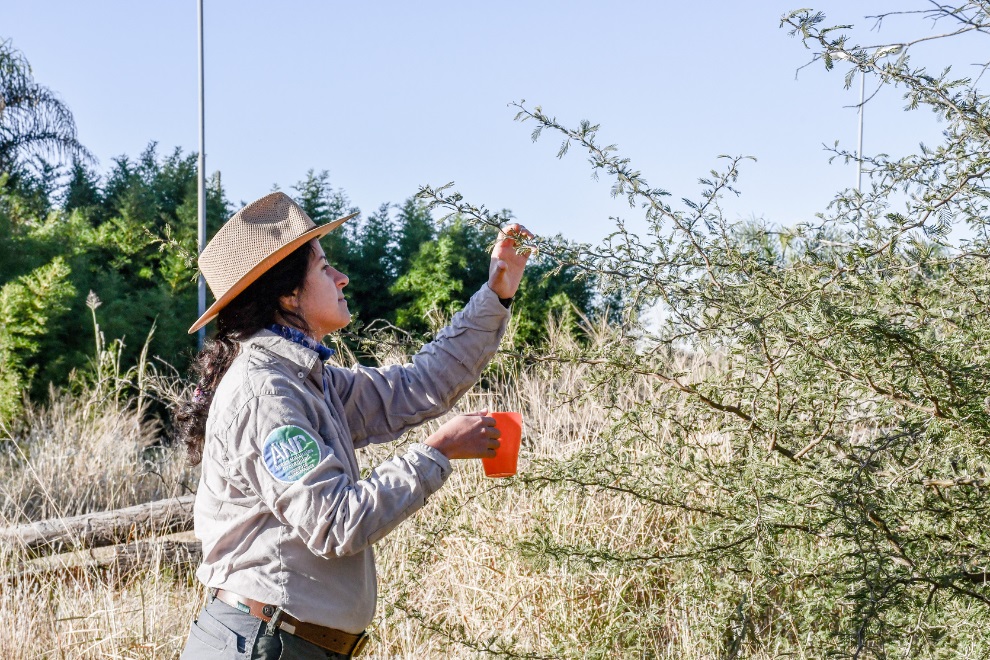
<point>301,338</point>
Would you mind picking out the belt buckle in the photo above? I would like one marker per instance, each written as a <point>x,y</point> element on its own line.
<point>359,645</point>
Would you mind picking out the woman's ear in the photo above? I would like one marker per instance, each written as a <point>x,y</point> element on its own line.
<point>291,301</point>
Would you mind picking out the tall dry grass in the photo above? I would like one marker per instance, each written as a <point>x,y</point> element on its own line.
<point>93,447</point>
<point>463,578</point>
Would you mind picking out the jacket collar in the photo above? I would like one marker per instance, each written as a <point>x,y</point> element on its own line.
<point>297,355</point>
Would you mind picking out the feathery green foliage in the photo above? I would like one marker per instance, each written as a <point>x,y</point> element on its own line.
<point>813,405</point>
<point>443,274</point>
<point>26,305</point>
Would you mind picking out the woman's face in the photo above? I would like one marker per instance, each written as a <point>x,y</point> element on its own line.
<point>321,299</point>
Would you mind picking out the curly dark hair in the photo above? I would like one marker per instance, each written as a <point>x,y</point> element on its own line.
<point>253,309</point>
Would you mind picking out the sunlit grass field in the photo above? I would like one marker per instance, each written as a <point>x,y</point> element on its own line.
<point>463,578</point>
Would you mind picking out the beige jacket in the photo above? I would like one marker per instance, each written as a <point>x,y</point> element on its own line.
<point>281,509</point>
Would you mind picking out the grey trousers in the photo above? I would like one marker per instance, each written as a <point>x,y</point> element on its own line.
<point>223,632</point>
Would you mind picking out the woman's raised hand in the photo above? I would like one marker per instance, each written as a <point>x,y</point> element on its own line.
<point>467,436</point>
<point>507,265</point>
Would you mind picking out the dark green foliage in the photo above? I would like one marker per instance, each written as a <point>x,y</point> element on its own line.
<point>443,274</point>
<point>23,208</point>
<point>373,269</point>
<point>130,241</point>
<point>27,305</point>
<point>446,271</point>
<point>548,290</point>
<point>416,227</point>
<point>108,241</point>
<point>323,203</point>
<point>82,192</point>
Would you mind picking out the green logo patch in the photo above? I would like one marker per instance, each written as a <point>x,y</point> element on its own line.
<point>290,452</point>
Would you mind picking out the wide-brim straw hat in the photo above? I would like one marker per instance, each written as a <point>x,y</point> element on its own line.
<point>254,239</point>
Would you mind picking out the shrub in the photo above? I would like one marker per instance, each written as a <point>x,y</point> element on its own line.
<point>810,408</point>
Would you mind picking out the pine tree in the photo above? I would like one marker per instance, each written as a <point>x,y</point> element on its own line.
<point>324,204</point>
<point>416,226</point>
<point>83,188</point>
<point>373,270</point>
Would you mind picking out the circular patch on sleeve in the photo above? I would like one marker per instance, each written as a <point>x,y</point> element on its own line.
<point>290,452</point>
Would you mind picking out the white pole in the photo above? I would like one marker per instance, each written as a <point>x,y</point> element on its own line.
<point>859,149</point>
<point>201,334</point>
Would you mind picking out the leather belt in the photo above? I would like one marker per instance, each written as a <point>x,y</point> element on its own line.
<point>330,639</point>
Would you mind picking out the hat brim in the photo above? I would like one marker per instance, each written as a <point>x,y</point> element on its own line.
<point>262,266</point>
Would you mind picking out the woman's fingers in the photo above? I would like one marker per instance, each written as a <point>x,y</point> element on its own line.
<point>489,436</point>
<point>507,261</point>
<point>515,229</point>
<point>484,419</point>
<point>470,435</point>
<point>507,236</point>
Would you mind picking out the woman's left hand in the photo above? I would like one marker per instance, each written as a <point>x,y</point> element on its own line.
<point>507,265</point>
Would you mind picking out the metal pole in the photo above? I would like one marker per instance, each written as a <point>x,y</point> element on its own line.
<point>201,334</point>
<point>859,149</point>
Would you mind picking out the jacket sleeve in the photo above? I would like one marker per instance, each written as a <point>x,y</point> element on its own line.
<point>275,452</point>
<point>381,403</point>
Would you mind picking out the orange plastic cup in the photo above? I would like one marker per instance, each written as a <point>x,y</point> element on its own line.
<point>503,464</point>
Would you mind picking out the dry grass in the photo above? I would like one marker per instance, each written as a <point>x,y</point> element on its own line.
<point>143,616</point>
<point>455,581</point>
<point>76,456</point>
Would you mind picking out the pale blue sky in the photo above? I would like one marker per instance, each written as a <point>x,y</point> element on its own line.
<point>391,95</point>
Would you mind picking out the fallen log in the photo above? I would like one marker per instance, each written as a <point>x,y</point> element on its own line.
<point>106,528</point>
<point>175,551</point>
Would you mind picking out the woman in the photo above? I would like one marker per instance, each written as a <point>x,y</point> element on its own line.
<point>285,519</point>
